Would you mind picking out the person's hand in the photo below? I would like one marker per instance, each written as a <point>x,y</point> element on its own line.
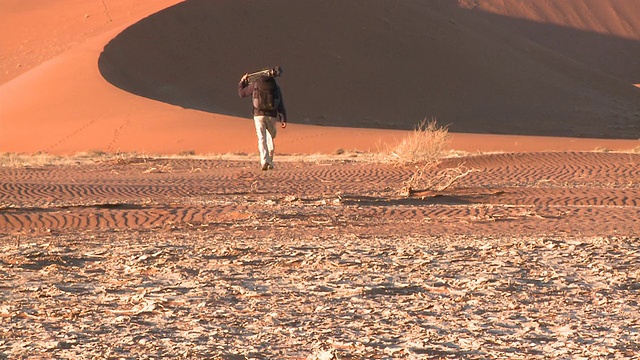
<point>283,120</point>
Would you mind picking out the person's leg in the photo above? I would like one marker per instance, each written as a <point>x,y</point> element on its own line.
<point>270,123</point>
<point>261,131</point>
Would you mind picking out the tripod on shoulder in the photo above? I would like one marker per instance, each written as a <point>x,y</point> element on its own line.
<point>271,72</point>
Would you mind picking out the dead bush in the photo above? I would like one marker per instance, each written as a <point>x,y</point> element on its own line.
<point>424,149</point>
<point>428,178</point>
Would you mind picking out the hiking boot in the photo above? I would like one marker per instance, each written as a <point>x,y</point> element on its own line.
<point>265,167</point>
<point>270,166</point>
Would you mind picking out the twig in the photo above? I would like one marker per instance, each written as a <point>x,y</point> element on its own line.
<point>106,11</point>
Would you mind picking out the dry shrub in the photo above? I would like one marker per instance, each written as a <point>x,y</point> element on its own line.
<point>187,153</point>
<point>126,158</point>
<point>428,143</point>
<point>424,148</point>
<point>428,178</point>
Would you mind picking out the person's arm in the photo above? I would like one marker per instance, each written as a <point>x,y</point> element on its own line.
<point>282,111</point>
<point>244,87</point>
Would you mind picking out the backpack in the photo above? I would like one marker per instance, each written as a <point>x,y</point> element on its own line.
<point>266,97</point>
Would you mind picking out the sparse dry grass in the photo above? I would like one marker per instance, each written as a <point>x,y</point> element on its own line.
<point>39,159</point>
<point>46,159</point>
<point>124,158</point>
<point>424,148</point>
<point>601,149</point>
<point>428,143</point>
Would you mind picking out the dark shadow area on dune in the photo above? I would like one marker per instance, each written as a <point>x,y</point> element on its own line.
<point>384,64</point>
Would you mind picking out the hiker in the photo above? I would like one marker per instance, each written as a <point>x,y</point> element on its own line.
<point>268,106</point>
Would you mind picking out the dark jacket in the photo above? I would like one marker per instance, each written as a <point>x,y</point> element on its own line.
<point>245,89</point>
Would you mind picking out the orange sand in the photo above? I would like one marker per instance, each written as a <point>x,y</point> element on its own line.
<point>53,97</point>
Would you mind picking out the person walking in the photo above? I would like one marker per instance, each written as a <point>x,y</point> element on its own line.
<point>268,107</point>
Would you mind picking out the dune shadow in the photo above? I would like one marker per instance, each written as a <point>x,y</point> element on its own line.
<point>382,64</point>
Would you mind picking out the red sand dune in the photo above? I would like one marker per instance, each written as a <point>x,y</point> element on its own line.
<point>555,68</point>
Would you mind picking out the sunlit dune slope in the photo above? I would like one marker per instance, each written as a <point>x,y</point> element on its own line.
<point>602,34</point>
<point>35,31</point>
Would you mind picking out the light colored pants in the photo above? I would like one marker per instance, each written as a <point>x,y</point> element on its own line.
<point>266,131</point>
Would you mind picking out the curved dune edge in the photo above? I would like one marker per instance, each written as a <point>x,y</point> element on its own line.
<point>64,106</point>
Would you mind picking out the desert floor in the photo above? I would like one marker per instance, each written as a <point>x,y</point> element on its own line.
<point>532,255</point>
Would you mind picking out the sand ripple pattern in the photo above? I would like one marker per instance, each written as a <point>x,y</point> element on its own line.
<point>545,192</point>
<point>580,169</point>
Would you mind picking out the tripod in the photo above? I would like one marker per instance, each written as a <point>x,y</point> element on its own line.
<point>272,72</point>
